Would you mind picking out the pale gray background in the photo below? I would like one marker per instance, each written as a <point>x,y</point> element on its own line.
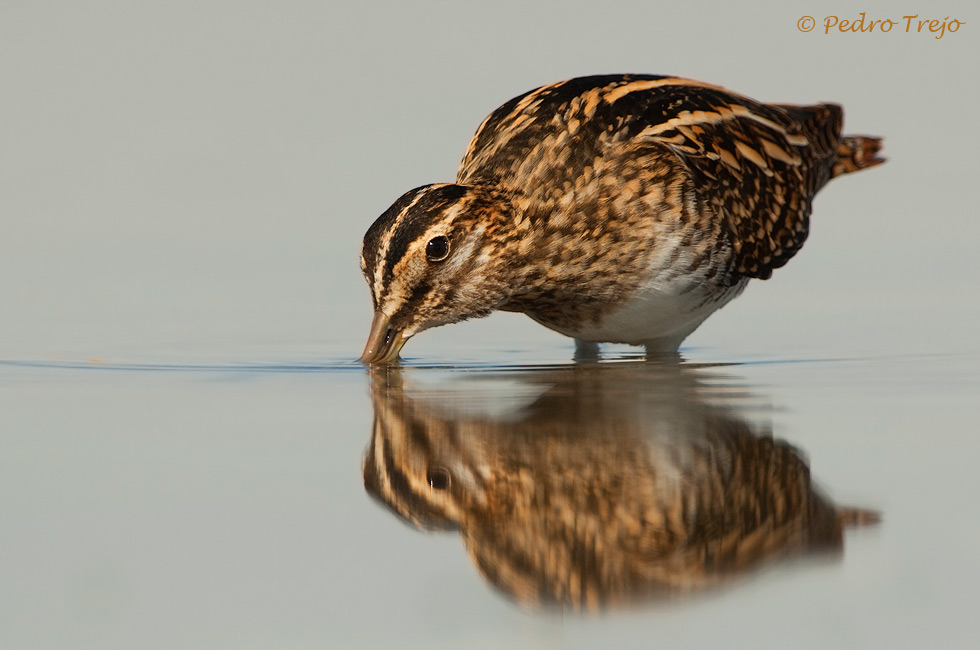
<point>187,183</point>
<point>199,174</point>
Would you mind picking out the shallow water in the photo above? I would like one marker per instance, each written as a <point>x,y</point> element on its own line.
<point>225,505</point>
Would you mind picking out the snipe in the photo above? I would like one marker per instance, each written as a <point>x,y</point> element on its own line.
<point>617,208</point>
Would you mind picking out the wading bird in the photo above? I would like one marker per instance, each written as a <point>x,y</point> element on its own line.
<point>617,208</point>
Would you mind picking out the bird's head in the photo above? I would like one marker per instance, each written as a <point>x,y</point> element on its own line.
<point>435,257</point>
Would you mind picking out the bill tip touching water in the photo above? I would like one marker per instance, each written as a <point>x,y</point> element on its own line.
<point>611,209</point>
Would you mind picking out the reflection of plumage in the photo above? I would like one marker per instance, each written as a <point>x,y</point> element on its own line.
<point>596,495</point>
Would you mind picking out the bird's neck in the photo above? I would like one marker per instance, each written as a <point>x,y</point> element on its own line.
<point>524,249</point>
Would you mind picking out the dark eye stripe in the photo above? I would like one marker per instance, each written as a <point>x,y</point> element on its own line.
<point>374,237</point>
<point>419,295</point>
<point>415,224</point>
<point>408,503</point>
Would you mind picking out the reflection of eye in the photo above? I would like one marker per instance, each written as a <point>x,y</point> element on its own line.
<point>437,249</point>
<point>438,478</point>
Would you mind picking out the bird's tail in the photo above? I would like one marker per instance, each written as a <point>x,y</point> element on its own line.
<point>857,517</point>
<point>857,152</point>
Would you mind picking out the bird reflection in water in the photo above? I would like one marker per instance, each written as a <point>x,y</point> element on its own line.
<point>610,484</point>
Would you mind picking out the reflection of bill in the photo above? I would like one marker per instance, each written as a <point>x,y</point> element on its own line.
<point>618,483</point>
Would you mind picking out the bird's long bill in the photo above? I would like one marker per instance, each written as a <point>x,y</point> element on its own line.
<point>384,343</point>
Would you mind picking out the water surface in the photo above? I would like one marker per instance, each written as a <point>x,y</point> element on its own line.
<point>225,505</point>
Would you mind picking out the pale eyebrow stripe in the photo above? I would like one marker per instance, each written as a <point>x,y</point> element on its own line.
<point>386,241</point>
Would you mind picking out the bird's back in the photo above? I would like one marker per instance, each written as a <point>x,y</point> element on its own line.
<point>579,145</point>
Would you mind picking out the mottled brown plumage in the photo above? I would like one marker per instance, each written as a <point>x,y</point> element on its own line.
<point>615,485</point>
<point>618,208</point>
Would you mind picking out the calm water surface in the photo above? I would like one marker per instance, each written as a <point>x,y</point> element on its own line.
<point>516,504</point>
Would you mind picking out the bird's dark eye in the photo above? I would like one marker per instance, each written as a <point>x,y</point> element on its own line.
<point>437,249</point>
<point>438,478</point>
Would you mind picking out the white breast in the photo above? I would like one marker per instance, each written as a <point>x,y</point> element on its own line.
<point>665,309</point>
